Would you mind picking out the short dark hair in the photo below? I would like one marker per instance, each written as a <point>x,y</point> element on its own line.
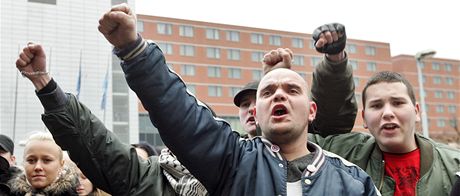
<point>388,77</point>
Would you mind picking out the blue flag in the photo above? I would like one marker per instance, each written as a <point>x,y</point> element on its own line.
<point>105,88</point>
<point>79,80</point>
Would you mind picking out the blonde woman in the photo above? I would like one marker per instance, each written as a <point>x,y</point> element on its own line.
<point>45,173</point>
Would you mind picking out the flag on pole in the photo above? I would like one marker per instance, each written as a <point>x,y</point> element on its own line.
<point>79,79</point>
<point>105,88</point>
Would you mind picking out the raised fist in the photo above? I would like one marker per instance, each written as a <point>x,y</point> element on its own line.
<point>330,38</point>
<point>32,64</point>
<point>279,58</point>
<point>119,26</point>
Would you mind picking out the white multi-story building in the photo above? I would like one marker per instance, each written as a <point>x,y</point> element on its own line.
<point>68,31</point>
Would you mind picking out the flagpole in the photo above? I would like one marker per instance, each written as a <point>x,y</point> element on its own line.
<point>15,101</point>
<point>49,71</point>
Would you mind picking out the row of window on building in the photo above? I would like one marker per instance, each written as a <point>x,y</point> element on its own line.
<point>234,36</point>
<point>437,93</point>
<point>256,56</point>
<point>438,80</point>
<point>436,66</point>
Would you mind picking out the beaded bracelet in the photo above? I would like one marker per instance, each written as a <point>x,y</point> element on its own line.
<point>35,73</point>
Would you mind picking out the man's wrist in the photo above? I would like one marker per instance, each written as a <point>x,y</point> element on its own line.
<point>336,57</point>
<point>131,50</point>
<point>40,82</point>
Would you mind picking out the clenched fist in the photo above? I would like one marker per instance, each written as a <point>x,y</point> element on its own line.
<point>279,58</point>
<point>119,26</point>
<point>32,64</point>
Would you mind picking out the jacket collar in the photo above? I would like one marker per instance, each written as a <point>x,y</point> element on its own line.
<point>318,159</point>
<point>426,153</point>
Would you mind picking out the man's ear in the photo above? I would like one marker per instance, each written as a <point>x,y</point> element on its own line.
<point>418,112</point>
<point>364,120</point>
<point>312,112</point>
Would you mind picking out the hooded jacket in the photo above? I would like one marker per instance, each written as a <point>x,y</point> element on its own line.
<point>65,185</point>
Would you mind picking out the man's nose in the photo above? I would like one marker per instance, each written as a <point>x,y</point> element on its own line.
<point>280,95</point>
<point>388,111</point>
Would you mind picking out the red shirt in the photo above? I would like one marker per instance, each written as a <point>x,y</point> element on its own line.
<point>404,169</point>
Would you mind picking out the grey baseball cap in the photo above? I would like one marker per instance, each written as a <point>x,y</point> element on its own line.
<point>249,87</point>
<point>6,144</point>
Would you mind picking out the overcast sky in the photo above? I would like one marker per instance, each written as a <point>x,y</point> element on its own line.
<point>409,26</point>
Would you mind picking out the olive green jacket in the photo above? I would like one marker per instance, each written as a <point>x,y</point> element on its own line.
<point>439,163</point>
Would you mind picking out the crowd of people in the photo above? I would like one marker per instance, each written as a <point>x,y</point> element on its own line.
<point>298,140</point>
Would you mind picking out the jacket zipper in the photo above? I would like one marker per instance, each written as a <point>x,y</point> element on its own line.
<point>382,175</point>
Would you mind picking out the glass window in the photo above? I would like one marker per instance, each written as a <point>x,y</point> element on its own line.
<point>233,90</point>
<point>187,70</point>
<point>297,60</point>
<point>187,50</point>
<point>234,122</point>
<point>315,61</point>
<point>450,95</point>
<point>214,72</point>
<point>119,84</point>
<point>441,123</point>
<point>213,53</point>
<point>358,98</point>
<point>257,56</point>
<point>212,34</point>
<point>164,28</point>
<point>234,73</point>
<point>354,64</point>
<point>422,65</point>
<point>438,94</point>
<point>120,107</point>
<point>439,108</point>
<point>275,40</point>
<point>371,66</point>
<point>312,44</point>
<point>186,31</point>
<point>437,80</point>
<point>449,80</point>
<point>256,74</point>
<point>448,67</point>
<point>165,47</point>
<point>351,48</point>
<point>233,54</point>
<point>140,26</point>
<point>297,42</point>
<point>233,36</point>
<point>356,81</point>
<point>214,91</point>
<point>453,122</point>
<point>370,50</point>
<point>452,108</point>
<point>257,38</point>
<point>435,66</point>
